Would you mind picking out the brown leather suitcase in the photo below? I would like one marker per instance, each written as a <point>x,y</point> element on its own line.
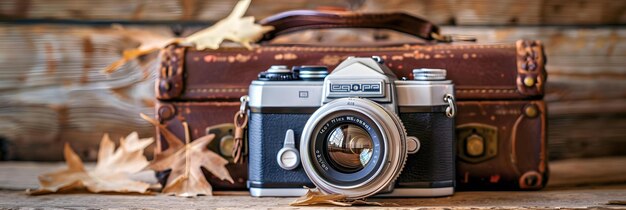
<point>501,136</point>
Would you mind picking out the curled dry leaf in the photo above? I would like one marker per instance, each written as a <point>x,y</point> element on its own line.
<point>315,197</point>
<point>148,42</point>
<point>185,160</point>
<point>111,173</point>
<point>235,28</point>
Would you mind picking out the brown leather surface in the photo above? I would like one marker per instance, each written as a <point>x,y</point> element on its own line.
<point>521,145</point>
<point>298,20</point>
<point>479,71</point>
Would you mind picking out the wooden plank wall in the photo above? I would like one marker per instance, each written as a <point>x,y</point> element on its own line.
<point>51,52</point>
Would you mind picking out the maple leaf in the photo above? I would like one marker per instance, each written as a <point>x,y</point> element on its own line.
<point>173,142</point>
<point>235,28</point>
<point>315,197</point>
<point>111,173</point>
<point>186,160</point>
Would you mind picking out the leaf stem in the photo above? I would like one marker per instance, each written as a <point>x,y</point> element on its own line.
<point>187,156</point>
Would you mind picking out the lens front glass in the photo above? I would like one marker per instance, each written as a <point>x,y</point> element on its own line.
<point>349,148</point>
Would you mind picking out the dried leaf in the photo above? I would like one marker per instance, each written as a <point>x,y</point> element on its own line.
<point>126,57</point>
<point>148,42</point>
<point>315,197</point>
<point>111,173</point>
<point>362,202</point>
<point>235,28</point>
<point>185,160</point>
<point>186,178</point>
<point>173,142</point>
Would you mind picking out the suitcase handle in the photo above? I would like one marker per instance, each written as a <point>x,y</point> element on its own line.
<point>298,20</point>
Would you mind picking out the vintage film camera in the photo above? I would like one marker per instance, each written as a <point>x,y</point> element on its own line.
<point>357,131</point>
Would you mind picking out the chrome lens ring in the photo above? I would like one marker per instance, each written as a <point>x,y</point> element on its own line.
<point>393,156</point>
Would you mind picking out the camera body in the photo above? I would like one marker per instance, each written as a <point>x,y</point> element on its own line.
<point>358,131</point>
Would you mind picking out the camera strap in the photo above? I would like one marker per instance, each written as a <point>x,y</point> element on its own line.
<point>240,121</point>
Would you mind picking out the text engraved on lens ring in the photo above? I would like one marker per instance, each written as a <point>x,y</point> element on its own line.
<point>320,160</point>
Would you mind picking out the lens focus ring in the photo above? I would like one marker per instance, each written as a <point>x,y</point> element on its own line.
<point>393,138</point>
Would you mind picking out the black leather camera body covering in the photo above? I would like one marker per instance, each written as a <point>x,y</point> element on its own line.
<point>430,166</point>
<point>266,132</point>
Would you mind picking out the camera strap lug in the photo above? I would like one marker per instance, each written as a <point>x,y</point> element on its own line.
<point>451,110</point>
<point>240,121</point>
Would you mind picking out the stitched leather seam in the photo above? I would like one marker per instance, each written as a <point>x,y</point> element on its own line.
<point>222,90</point>
<point>217,90</point>
<point>363,49</point>
<point>404,47</point>
<point>500,91</point>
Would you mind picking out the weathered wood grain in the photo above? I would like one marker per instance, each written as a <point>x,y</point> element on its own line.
<point>589,183</point>
<point>587,172</point>
<point>485,12</point>
<point>148,10</point>
<point>580,198</point>
<point>587,135</point>
<point>51,90</point>
<point>450,12</point>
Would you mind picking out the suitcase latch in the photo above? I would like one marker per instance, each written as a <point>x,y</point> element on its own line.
<point>224,141</point>
<point>476,142</point>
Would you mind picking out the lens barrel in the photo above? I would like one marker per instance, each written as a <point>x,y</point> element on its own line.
<point>355,125</point>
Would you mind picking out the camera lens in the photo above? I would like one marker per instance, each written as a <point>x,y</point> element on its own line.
<point>354,147</point>
<point>349,148</point>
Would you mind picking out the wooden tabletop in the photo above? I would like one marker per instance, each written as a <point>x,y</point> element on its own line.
<point>586,183</point>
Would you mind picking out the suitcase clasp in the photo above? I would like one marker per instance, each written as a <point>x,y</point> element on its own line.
<point>476,142</point>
